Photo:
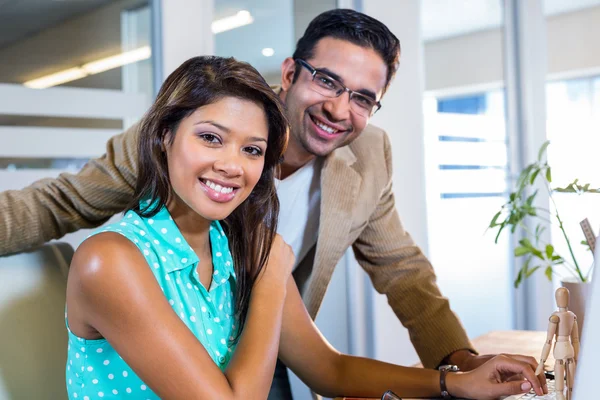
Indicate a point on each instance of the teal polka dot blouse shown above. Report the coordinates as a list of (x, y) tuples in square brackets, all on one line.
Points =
[(95, 370)]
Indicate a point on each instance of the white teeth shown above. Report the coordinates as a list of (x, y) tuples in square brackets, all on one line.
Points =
[(218, 188), (326, 128)]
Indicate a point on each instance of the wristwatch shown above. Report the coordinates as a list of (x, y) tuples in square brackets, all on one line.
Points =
[(444, 369)]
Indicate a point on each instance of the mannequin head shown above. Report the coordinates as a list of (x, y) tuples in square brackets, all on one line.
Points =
[(562, 297)]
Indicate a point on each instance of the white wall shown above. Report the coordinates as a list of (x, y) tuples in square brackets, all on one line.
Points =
[(572, 41), (477, 58), (186, 31), (402, 117), (305, 11), (467, 60)]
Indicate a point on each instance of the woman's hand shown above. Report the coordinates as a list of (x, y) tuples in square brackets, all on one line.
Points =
[(279, 267), (489, 381)]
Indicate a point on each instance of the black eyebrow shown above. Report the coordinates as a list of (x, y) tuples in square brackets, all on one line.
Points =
[(213, 123), (331, 74), (227, 130), (257, 139), (366, 92)]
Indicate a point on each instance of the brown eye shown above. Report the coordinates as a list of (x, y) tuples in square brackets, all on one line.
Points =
[(210, 138), (254, 151)]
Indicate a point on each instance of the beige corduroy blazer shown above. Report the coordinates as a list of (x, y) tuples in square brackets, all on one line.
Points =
[(357, 210)]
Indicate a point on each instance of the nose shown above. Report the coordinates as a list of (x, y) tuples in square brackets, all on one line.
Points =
[(338, 108), (229, 164)]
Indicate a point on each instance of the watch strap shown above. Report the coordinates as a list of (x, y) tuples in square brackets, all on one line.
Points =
[(443, 388)]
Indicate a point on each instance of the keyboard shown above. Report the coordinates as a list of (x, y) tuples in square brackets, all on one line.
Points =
[(532, 396)]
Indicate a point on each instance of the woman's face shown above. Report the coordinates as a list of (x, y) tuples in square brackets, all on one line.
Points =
[(217, 156)]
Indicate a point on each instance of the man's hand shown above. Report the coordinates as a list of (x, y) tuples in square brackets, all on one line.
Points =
[(467, 361)]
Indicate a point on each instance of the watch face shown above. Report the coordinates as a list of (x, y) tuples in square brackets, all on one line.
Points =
[(449, 367)]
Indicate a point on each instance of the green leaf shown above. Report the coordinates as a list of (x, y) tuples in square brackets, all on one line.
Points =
[(566, 189), (493, 223), (543, 150), (518, 279), (539, 230), (502, 225), (533, 176), (531, 271), (526, 243), (585, 243), (549, 251), (521, 251), (530, 199), (548, 174), (548, 273), (524, 176), (538, 254), (575, 187)]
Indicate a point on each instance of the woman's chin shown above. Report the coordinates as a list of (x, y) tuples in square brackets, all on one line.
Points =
[(215, 212)]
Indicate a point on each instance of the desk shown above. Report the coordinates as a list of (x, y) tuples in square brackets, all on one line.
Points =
[(528, 343)]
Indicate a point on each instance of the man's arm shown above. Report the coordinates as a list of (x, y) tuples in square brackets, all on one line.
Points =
[(50, 208), (398, 269)]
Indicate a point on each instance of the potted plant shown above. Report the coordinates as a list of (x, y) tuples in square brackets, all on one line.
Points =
[(521, 216)]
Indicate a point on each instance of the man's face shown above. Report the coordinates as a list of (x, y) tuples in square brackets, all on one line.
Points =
[(321, 124)]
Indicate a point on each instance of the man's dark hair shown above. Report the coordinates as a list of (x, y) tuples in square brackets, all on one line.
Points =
[(355, 27)]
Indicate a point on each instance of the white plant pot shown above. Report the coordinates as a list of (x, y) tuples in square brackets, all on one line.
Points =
[(578, 294)]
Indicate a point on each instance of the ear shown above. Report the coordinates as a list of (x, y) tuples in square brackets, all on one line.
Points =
[(167, 139), (288, 68)]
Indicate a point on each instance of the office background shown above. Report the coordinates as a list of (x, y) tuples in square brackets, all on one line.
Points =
[(482, 84)]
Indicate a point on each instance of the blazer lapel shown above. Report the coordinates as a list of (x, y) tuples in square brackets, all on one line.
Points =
[(339, 189)]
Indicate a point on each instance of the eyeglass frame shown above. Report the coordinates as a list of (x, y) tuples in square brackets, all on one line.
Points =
[(313, 71)]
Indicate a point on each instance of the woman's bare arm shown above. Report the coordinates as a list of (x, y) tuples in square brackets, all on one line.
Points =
[(306, 352), (111, 290)]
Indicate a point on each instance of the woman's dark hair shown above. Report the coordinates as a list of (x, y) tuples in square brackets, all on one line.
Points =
[(355, 27), (251, 227)]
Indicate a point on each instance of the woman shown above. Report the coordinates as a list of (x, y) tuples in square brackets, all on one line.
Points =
[(189, 295)]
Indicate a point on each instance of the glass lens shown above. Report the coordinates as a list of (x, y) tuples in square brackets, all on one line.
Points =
[(362, 102), (327, 85)]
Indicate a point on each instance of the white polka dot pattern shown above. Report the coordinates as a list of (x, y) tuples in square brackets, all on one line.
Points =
[(101, 372)]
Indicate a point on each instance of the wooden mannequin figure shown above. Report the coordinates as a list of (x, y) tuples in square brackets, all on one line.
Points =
[(563, 324)]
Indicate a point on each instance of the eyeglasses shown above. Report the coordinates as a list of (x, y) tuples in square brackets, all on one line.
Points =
[(331, 87)]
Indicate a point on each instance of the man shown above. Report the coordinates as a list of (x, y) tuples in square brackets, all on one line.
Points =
[(335, 187)]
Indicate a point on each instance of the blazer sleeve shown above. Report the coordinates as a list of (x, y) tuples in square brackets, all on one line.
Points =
[(50, 208), (399, 269)]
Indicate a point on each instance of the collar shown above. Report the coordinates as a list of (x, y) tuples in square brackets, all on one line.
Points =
[(164, 229)]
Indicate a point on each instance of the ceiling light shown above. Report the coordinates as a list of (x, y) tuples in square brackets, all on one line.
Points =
[(268, 52), (235, 21), (58, 78), (95, 67), (91, 68)]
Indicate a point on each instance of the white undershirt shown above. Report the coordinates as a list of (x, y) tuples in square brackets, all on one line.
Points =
[(300, 203)]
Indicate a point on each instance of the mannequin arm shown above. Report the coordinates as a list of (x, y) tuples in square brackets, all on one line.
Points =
[(575, 338), (548, 345)]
